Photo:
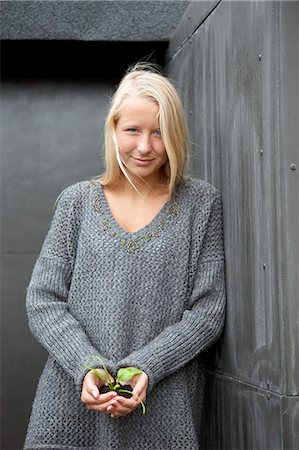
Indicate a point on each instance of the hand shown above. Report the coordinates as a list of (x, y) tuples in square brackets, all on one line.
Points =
[(121, 406), (91, 395)]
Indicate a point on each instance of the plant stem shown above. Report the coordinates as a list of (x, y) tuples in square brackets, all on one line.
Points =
[(130, 392)]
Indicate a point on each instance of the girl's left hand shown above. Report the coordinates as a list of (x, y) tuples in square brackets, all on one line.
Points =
[(121, 406)]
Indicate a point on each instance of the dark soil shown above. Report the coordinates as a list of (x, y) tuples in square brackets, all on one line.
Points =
[(104, 389)]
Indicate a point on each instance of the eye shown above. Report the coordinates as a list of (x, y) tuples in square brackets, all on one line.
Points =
[(157, 132), (132, 130)]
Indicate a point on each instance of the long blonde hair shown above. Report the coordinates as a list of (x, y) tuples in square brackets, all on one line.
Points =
[(145, 80)]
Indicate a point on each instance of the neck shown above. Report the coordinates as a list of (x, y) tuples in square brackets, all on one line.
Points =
[(147, 188)]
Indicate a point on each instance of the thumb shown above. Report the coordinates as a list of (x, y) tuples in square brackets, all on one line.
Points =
[(95, 392), (141, 384), (91, 386)]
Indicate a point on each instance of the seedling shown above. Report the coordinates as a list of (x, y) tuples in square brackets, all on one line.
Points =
[(123, 374)]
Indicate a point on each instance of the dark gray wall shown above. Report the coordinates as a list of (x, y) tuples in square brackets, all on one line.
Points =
[(60, 61), (112, 20), (52, 132), (237, 66), (51, 137)]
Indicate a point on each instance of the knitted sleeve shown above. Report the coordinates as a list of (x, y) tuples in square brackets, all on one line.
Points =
[(202, 323), (47, 293)]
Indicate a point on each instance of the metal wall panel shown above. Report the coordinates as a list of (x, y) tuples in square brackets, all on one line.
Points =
[(238, 74), (246, 417)]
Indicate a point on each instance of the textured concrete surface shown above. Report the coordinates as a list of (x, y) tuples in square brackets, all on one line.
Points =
[(114, 20)]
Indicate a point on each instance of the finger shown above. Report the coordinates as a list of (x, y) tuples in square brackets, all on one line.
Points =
[(102, 398), (122, 406), (118, 413), (90, 384), (116, 409), (100, 407), (119, 406), (140, 385), (105, 398), (139, 395)]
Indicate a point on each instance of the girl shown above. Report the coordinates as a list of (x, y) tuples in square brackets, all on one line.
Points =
[(132, 271)]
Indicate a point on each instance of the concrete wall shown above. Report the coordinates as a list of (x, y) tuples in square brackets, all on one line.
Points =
[(100, 20), (237, 67)]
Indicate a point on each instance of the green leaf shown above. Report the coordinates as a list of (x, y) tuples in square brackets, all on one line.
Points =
[(104, 366), (101, 377), (107, 379), (127, 373)]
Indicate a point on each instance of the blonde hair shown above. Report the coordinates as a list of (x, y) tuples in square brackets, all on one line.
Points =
[(146, 80)]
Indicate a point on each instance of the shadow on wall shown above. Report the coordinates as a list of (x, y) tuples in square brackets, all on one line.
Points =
[(75, 59)]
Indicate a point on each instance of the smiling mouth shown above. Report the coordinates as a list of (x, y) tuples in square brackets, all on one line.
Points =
[(137, 159)]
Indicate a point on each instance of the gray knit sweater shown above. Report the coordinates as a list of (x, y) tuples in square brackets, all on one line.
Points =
[(154, 299)]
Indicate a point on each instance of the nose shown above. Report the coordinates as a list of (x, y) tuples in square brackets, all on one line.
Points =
[(144, 144)]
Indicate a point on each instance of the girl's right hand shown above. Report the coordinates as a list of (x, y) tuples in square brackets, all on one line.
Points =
[(91, 396)]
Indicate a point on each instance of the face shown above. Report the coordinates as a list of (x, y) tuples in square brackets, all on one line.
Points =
[(139, 139)]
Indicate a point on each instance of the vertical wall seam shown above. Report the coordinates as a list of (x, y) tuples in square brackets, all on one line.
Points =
[(194, 31)]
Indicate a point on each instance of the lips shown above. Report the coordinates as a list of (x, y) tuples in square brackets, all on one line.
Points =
[(142, 162), (138, 159)]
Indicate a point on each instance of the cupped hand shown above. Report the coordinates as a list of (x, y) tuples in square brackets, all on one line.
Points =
[(121, 406), (91, 396)]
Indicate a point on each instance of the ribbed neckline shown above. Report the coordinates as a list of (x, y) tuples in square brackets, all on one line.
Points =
[(121, 231)]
